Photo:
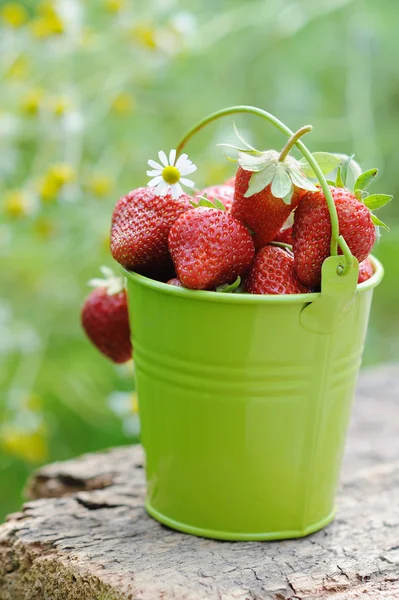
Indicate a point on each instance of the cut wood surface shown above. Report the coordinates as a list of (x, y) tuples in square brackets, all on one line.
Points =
[(86, 536)]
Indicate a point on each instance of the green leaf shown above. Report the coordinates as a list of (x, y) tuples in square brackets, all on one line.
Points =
[(228, 288), (219, 204), (287, 199), (234, 147), (300, 181), (204, 201), (260, 180), (376, 201), (339, 182), (354, 170), (281, 183), (378, 222), (364, 180), (344, 169), (249, 162), (326, 161), (244, 141)]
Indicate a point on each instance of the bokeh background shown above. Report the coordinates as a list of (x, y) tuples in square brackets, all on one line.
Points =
[(89, 91)]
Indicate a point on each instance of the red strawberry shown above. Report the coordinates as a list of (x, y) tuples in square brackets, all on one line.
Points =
[(284, 236), (105, 318), (224, 193), (140, 226), (209, 247), (273, 272), (262, 212), (175, 281), (366, 270), (312, 231)]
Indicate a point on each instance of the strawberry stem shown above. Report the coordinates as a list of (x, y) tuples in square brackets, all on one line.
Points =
[(281, 245), (292, 141), (335, 237)]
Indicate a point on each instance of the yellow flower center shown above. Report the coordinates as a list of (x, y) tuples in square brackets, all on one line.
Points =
[(171, 175)]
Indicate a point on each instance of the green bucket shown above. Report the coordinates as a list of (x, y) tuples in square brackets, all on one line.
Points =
[(245, 401)]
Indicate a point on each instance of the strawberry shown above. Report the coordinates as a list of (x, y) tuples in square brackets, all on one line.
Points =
[(209, 247), (366, 270), (224, 193), (175, 281), (272, 272), (105, 317), (284, 236), (262, 212), (140, 226), (312, 231)]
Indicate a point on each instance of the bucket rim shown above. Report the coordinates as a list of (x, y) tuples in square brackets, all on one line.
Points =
[(250, 298)]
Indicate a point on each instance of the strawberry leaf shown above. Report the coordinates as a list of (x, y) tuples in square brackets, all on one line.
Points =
[(300, 181), (246, 144), (260, 180), (249, 162), (376, 201), (287, 199), (354, 170), (218, 204), (344, 169), (281, 184), (326, 161), (378, 222), (227, 288), (364, 180), (339, 182)]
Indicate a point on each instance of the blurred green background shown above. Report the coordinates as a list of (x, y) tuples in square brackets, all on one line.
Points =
[(89, 91)]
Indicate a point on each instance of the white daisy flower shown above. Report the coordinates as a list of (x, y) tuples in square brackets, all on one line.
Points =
[(167, 176)]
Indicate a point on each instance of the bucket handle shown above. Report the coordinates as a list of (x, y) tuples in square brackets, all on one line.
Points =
[(343, 268)]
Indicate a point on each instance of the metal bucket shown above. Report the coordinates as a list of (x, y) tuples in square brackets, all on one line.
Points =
[(245, 401)]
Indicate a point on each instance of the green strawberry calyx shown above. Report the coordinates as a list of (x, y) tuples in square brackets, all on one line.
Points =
[(204, 201), (278, 169), (230, 288), (111, 282), (351, 177)]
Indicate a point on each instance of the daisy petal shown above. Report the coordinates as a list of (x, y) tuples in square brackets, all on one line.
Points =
[(162, 188), (163, 158), (181, 160), (155, 165), (177, 191), (155, 181), (187, 182), (172, 157), (187, 169), (154, 173)]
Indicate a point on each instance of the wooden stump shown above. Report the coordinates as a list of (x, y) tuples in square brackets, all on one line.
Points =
[(86, 535)]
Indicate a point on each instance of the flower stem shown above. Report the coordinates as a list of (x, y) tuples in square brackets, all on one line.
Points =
[(298, 143), (291, 142)]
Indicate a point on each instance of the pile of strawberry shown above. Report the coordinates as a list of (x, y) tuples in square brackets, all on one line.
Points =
[(266, 231)]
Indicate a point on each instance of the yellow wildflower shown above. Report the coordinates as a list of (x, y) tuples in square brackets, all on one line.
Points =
[(123, 103), (114, 6), (44, 228), (145, 36), (13, 14), (60, 105), (63, 173), (31, 102), (99, 184), (18, 68), (48, 22), (16, 204), (30, 446), (56, 177)]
